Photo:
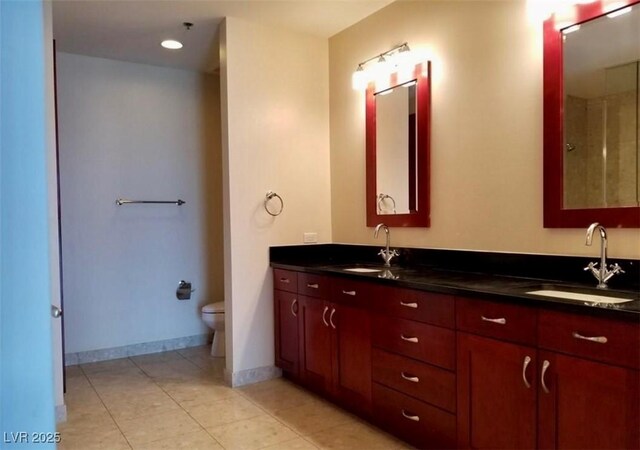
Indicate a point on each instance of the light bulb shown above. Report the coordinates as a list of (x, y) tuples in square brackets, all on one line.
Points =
[(619, 12), (359, 78)]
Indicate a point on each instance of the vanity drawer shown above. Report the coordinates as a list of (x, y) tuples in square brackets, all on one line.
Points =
[(499, 320), (285, 280), (427, 343), (597, 338), (423, 381), (418, 423), (436, 309), (313, 285), (351, 292)]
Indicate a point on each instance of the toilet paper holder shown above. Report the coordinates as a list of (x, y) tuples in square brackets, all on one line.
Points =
[(184, 290)]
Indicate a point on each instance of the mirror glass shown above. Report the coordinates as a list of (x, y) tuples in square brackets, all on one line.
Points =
[(398, 122), (601, 159), (396, 150)]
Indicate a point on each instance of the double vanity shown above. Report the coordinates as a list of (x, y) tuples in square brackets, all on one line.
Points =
[(465, 352)]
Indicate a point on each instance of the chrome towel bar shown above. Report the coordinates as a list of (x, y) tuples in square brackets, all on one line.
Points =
[(122, 201)]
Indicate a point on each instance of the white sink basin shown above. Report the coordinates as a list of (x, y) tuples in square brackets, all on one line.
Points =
[(362, 270), (592, 298)]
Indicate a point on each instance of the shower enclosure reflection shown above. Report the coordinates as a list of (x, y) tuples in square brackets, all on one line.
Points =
[(601, 73)]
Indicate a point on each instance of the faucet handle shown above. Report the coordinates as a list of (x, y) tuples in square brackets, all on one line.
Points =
[(395, 253), (591, 266), (615, 268)]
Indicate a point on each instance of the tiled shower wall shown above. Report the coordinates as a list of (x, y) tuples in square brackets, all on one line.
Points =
[(586, 186)]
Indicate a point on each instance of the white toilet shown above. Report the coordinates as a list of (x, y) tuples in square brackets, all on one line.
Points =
[(213, 316)]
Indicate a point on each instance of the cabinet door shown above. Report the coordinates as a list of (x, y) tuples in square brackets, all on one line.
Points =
[(584, 404), (496, 394), (286, 326), (352, 356), (315, 343)]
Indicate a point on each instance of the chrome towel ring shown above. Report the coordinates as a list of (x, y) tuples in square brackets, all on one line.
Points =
[(270, 196), (381, 198)]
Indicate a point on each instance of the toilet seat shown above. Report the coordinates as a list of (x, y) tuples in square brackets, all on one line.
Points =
[(213, 308)]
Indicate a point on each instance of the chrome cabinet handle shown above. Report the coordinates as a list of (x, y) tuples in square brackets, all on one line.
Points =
[(545, 366), (324, 316), (409, 339), (410, 416), (527, 361), (313, 286), (294, 303), (349, 292), (333, 325), (409, 377), (598, 339), (285, 280), (501, 320), (409, 305)]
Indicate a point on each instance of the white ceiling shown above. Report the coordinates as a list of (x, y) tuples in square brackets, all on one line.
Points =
[(131, 30)]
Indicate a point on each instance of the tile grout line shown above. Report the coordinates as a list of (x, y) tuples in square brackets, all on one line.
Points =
[(178, 403), (105, 407)]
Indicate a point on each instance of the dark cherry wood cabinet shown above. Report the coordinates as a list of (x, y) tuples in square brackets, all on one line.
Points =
[(324, 344), (315, 344), (351, 347), (496, 394), (286, 321), (576, 386), (585, 404), (287, 308), (443, 372)]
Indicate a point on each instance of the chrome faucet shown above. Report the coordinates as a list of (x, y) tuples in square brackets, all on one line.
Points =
[(387, 254), (603, 274)]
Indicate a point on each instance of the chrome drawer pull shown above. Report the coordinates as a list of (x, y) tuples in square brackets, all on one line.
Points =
[(409, 377), (545, 366), (285, 280), (349, 292), (333, 325), (527, 361), (324, 316), (409, 305), (409, 339), (294, 303), (598, 339), (313, 286), (410, 416), (501, 320)]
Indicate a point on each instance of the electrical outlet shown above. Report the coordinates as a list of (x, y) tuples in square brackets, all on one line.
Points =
[(310, 238)]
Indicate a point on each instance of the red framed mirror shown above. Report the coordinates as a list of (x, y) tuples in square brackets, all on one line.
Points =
[(565, 201), (397, 150)]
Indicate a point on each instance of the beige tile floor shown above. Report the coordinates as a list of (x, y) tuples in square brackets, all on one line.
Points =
[(178, 400)]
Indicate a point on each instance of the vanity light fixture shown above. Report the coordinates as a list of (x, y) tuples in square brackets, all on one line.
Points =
[(619, 12), (385, 92), (379, 68), (571, 29), (565, 16), (173, 44)]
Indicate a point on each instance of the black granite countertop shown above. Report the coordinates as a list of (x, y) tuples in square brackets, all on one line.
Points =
[(505, 285)]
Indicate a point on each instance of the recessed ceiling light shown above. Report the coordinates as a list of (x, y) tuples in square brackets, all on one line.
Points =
[(171, 44)]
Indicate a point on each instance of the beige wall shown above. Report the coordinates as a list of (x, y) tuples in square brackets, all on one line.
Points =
[(275, 129), (486, 163)]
